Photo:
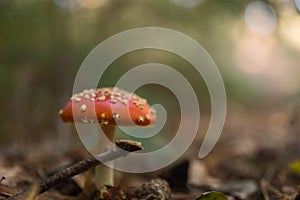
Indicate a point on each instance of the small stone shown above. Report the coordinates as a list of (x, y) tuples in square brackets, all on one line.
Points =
[(156, 189)]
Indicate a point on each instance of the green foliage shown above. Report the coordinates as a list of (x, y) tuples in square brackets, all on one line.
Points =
[(212, 196), (294, 167)]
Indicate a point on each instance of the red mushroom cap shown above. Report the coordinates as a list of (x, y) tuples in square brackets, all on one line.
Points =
[(111, 107)]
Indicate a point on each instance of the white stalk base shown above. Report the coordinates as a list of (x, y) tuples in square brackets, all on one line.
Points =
[(104, 175)]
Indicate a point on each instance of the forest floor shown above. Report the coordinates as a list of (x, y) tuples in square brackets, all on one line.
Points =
[(257, 157)]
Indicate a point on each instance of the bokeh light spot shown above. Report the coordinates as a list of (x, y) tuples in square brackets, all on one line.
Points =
[(260, 17), (297, 4), (290, 31)]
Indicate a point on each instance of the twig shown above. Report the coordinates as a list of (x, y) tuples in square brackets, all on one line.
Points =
[(263, 186), (2, 179), (4, 194), (84, 165), (267, 186)]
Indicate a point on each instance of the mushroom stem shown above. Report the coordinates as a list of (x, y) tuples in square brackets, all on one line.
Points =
[(103, 174)]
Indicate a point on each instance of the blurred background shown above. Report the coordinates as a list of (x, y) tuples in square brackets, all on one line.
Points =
[(255, 44)]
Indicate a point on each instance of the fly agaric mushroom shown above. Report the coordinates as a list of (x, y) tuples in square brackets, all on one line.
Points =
[(112, 107)]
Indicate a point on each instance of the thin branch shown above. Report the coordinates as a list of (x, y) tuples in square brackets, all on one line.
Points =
[(263, 186), (123, 147)]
